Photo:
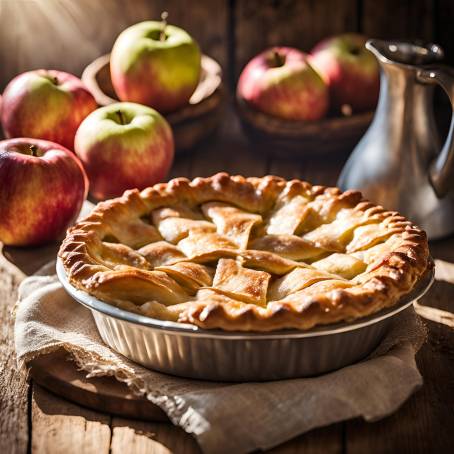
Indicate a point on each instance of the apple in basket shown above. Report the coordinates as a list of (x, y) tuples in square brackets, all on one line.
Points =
[(42, 188), (155, 64), (46, 104), (124, 146), (350, 71), (281, 82)]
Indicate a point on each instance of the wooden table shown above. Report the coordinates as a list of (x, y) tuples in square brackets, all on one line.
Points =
[(32, 419)]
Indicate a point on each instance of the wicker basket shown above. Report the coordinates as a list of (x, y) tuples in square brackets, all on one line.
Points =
[(283, 138)]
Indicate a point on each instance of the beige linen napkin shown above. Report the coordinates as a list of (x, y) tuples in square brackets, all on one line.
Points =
[(225, 418)]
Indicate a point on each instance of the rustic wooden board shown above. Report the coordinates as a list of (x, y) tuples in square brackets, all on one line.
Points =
[(57, 373)]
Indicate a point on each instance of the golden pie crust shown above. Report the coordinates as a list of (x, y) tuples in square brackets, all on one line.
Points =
[(248, 254)]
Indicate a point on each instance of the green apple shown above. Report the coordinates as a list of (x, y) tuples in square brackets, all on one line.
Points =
[(124, 146), (155, 64)]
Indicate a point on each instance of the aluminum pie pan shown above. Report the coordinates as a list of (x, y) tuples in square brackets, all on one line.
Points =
[(189, 351)]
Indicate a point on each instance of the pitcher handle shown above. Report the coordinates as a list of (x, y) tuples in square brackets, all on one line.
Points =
[(441, 171)]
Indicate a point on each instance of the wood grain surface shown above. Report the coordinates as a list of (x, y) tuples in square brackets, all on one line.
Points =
[(145, 437), (406, 19), (62, 427), (13, 386)]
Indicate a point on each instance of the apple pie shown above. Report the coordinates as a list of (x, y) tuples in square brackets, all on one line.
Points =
[(248, 254)]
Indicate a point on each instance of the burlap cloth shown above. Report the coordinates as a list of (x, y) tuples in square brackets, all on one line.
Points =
[(225, 418)]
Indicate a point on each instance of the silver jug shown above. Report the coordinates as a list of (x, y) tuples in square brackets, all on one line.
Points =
[(399, 162)]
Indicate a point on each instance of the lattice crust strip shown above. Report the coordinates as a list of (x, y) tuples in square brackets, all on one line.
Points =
[(245, 253)]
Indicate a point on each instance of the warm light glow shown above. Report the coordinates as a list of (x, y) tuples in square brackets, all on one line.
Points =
[(61, 34)]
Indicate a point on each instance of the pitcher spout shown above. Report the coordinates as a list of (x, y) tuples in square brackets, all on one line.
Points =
[(405, 54), (377, 46)]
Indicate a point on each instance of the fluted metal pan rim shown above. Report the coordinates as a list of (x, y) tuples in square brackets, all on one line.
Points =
[(186, 329)]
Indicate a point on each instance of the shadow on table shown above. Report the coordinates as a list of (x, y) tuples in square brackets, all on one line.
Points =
[(443, 249), (440, 295), (30, 259), (438, 305)]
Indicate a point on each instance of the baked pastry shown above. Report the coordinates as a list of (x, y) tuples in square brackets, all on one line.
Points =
[(249, 254)]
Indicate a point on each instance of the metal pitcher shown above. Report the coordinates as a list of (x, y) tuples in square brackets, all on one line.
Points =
[(399, 162)]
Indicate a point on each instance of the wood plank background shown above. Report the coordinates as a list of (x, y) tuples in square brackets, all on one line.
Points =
[(69, 34)]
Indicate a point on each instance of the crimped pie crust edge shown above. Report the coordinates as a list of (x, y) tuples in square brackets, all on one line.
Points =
[(392, 276)]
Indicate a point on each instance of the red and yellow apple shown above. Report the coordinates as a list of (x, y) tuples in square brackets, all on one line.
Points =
[(155, 64), (42, 188), (350, 71), (46, 104), (124, 146), (281, 82)]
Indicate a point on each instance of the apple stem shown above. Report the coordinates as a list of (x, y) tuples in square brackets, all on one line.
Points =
[(121, 117), (164, 16), (34, 150), (278, 58), (55, 78)]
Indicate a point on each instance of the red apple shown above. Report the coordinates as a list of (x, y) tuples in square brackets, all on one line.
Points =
[(155, 64), (350, 71), (46, 104), (124, 146), (42, 188), (281, 82)]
